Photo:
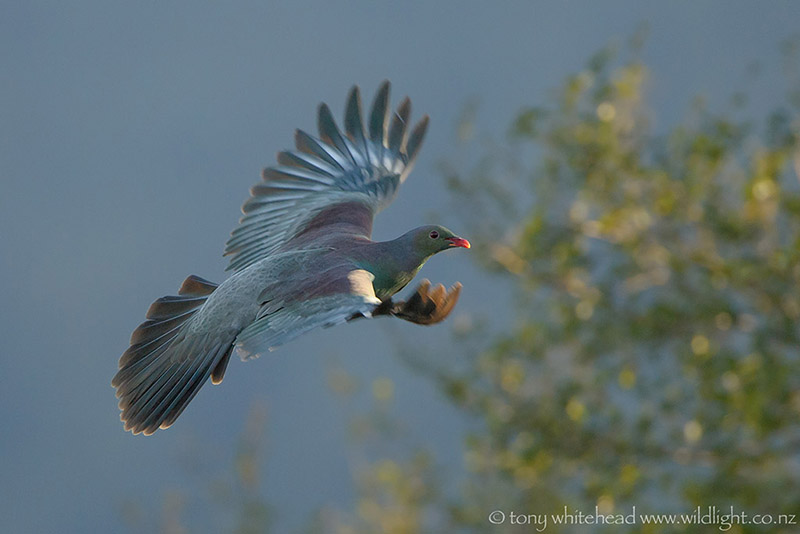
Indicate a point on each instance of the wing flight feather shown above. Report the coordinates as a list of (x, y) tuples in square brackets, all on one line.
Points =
[(360, 169)]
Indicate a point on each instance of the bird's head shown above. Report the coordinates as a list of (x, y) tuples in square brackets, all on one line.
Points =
[(431, 239)]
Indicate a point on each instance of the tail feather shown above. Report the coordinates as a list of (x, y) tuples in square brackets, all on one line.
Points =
[(190, 389), (142, 349), (194, 285), (169, 393), (167, 386), (134, 379), (143, 404), (219, 371), (167, 307), (155, 328), (166, 364), (149, 382)]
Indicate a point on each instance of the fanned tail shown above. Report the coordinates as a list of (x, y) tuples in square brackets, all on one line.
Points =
[(166, 365)]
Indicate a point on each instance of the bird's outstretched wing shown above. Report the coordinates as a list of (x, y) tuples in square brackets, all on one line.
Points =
[(334, 184)]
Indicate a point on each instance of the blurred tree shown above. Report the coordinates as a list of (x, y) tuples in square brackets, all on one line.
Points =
[(396, 482), (654, 354), (654, 359)]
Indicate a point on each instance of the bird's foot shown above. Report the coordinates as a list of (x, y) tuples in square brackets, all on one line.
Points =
[(425, 306)]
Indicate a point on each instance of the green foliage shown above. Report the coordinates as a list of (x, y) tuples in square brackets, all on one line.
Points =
[(394, 498), (654, 360), (395, 481)]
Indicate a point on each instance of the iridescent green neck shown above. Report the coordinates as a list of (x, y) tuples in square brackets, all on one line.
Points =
[(393, 263)]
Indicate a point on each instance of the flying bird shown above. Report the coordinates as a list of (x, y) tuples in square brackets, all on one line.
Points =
[(301, 258)]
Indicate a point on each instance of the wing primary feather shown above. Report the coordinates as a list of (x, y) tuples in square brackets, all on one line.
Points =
[(275, 197), (306, 143), (280, 190), (283, 173), (250, 234), (397, 131), (354, 123), (361, 158), (305, 161), (261, 208), (414, 143), (379, 115), (329, 133), (365, 161)]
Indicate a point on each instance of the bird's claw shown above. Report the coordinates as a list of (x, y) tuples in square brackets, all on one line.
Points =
[(425, 306)]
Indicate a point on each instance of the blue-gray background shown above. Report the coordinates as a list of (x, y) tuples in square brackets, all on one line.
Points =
[(129, 134)]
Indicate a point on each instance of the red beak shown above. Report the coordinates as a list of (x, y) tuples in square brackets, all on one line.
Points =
[(458, 242)]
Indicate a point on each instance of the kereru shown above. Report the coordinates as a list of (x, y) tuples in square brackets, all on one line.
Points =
[(301, 258)]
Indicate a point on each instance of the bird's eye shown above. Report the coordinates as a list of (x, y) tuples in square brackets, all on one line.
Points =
[(434, 234)]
